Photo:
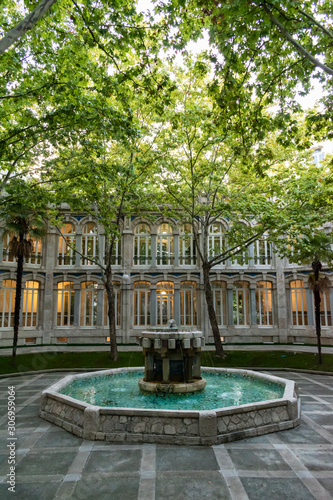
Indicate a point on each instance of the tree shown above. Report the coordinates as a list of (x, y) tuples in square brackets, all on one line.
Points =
[(24, 218), (111, 183), (314, 248), (219, 167), (47, 101)]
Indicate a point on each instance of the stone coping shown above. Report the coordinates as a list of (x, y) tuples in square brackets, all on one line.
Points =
[(173, 334), (171, 426)]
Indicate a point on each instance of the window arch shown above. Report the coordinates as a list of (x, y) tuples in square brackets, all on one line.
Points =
[(188, 303), (165, 302), (89, 243), (219, 289), (264, 305), (36, 251), (187, 251), (7, 303), (142, 245), (241, 307), (30, 304), (142, 303), (262, 252), (66, 254), (88, 303), (165, 252), (65, 309), (216, 239), (299, 308)]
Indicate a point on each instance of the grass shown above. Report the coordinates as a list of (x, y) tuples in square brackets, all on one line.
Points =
[(97, 360)]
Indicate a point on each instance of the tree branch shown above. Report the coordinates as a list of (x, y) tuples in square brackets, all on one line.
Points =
[(298, 47), (25, 25)]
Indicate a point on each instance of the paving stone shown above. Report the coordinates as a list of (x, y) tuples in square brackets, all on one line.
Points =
[(316, 460), (276, 489), (114, 461), (191, 486), (247, 459), (30, 491), (178, 458), (45, 462), (58, 439), (115, 488)]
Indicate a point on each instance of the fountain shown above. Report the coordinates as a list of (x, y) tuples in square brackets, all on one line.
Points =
[(172, 360), (172, 404)]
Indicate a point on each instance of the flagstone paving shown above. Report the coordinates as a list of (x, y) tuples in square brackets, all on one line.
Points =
[(52, 464)]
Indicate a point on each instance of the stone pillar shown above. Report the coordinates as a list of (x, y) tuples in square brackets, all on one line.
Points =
[(78, 237), (153, 306), (153, 249), (77, 291), (126, 309), (176, 305), (196, 366), (230, 312), (310, 306), (100, 305), (48, 304), (253, 312), (149, 368), (166, 370), (176, 250), (281, 309)]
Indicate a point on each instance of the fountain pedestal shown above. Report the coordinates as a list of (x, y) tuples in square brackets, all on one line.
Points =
[(172, 361)]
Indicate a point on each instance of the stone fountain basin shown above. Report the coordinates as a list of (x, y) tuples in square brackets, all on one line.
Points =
[(207, 427)]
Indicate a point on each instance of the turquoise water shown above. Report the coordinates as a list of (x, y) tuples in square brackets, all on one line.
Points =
[(222, 390)]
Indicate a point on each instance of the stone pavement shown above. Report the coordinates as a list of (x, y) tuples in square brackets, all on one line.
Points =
[(52, 464)]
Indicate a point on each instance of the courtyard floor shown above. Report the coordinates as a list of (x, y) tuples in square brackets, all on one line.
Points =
[(52, 464)]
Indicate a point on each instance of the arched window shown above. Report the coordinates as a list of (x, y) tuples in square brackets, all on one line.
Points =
[(165, 296), (65, 310), (88, 303), (216, 240), (165, 253), (142, 303), (36, 251), (89, 243), (116, 252), (262, 252), (188, 303), (7, 303), (325, 309), (6, 257), (117, 304), (219, 289), (241, 309), (142, 245), (66, 254), (30, 304), (187, 254), (299, 307), (264, 307)]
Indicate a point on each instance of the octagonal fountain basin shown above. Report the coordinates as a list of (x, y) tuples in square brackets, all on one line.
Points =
[(108, 405)]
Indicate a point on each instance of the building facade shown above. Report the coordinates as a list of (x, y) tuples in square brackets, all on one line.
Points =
[(157, 276)]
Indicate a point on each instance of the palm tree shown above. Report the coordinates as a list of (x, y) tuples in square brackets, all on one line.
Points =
[(315, 249), (24, 211), (20, 247)]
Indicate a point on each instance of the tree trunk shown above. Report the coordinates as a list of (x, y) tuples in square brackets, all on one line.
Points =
[(112, 317), (211, 313), (17, 310), (316, 266)]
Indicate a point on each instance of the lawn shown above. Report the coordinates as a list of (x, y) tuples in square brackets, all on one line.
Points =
[(98, 360)]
